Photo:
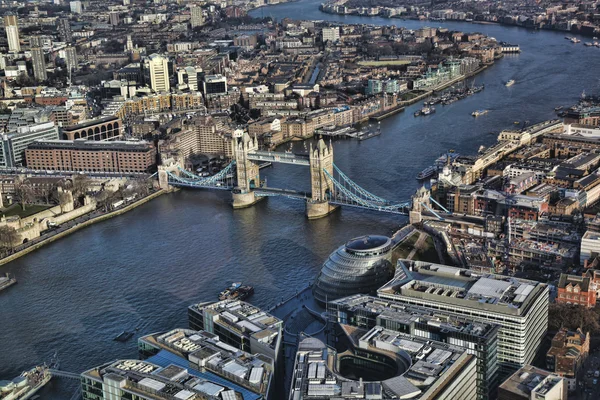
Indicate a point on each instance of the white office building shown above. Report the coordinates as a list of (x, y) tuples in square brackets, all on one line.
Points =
[(519, 306), (14, 143), (590, 246), (331, 34), (12, 33), (159, 73)]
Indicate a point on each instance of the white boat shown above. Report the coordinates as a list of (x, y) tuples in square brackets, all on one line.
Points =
[(477, 113), (510, 83)]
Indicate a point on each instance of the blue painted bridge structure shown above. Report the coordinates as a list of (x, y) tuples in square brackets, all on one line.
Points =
[(330, 187)]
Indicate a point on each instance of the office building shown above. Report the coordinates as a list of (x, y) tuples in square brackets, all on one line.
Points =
[(479, 338), (76, 7), (188, 77), (240, 325), (71, 58), (39, 64), (205, 352), (113, 18), (374, 86), (64, 30), (197, 19), (159, 73), (590, 246), (531, 383), (11, 25), (519, 306), (361, 265), (392, 364), (16, 141), (170, 377), (90, 155), (214, 84), (567, 355), (331, 34)]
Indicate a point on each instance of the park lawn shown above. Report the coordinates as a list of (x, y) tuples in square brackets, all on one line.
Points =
[(404, 249), (383, 63), (16, 209), (429, 254)]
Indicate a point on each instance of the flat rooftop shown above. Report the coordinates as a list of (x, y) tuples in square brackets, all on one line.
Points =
[(529, 379), (154, 381), (408, 314), (91, 145), (461, 287), (245, 318), (206, 351), (426, 364)]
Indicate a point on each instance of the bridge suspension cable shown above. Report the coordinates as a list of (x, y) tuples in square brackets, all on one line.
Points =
[(347, 192), (222, 180)]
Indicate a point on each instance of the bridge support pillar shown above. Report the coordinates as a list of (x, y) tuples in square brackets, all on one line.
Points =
[(415, 217), (243, 200), (163, 179), (319, 209)]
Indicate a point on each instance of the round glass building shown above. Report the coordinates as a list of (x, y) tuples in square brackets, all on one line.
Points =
[(362, 265)]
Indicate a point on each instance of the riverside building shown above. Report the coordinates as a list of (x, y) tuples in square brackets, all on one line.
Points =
[(361, 265), (146, 380), (93, 156), (479, 338), (240, 325), (519, 306), (217, 360), (395, 366)]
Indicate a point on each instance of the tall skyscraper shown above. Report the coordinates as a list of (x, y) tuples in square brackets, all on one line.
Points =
[(159, 73), (71, 58), (197, 17), (39, 64), (12, 33), (64, 30)]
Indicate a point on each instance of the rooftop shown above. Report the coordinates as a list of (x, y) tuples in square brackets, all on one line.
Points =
[(530, 379), (407, 314), (205, 351), (461, 287), (244, 318), (91, 145), (424, 366), (158, 381)]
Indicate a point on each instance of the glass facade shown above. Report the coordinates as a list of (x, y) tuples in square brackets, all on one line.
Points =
[(360, 266)]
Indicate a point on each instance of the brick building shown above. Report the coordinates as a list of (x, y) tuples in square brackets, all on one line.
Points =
[(95, 129), (567, 354), (91, 156), (573, 289)]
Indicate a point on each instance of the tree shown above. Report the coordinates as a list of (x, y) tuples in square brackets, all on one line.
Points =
[(9, 237), (24, 192)]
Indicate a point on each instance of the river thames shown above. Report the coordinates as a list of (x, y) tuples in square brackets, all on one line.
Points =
[(142, 269)]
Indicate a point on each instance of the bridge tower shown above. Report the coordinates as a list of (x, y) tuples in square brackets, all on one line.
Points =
[(247, 171), (420, 198), (168, 165), (321, 160)]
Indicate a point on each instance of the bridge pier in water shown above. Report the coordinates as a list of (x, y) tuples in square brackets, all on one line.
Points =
[(247, 171), (320, 160)]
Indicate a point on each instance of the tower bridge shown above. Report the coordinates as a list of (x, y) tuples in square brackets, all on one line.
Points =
[(330, 187)]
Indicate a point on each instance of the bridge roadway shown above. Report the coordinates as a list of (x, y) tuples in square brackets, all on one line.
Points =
[(278, 157), (283, 192)]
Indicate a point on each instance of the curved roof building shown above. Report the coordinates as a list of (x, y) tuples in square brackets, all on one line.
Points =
[(361, 265)]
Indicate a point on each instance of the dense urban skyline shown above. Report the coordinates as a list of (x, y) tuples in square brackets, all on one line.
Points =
[(404, 195)]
